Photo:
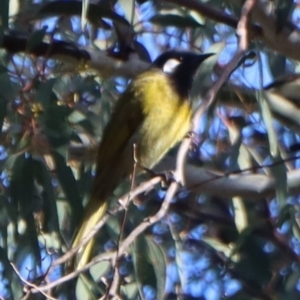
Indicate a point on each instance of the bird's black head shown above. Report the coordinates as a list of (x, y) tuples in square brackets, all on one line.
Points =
[(181, 67)]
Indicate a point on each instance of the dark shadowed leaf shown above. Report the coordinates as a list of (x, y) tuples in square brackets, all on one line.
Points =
[(8, 90), (4, 9), (277, 63), (158, 260), (203, 78), (174, 21), (56, 125), (44, 93), (150, 265), (35, 39), (3, 111), (69, 186), (283, 9), (280, 175), (22, 193), (144, 271), (141, 51), (43, 178), (268, 120), (254, 264), (15, 286)]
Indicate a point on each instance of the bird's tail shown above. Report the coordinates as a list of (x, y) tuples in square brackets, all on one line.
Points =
[(93, 215)]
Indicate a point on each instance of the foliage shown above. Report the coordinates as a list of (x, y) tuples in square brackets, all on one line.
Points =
[(230, 234)]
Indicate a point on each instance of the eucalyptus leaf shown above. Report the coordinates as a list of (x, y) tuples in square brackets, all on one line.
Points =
[(43, 177), (35, 39), (44, 93), (283, 9), (22, 193), (4, 10), (174, 21), (277, 63), (144, 270), (69, 186)]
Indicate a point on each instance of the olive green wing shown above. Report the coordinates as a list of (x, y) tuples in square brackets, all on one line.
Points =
[(124, 123)]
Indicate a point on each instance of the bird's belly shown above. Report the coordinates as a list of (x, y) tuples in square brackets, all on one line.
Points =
[(162, 129)]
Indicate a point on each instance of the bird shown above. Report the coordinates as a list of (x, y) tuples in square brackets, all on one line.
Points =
[(150, 117)]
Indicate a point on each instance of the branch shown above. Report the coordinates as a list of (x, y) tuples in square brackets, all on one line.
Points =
[(98, 60), (220, 184), (16, 44)]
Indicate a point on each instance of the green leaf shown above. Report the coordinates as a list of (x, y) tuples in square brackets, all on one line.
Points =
[(8, 91), (279, 173), (219, 246), (150, 265), (268, 120), (285, 214), (87, 125), (128, 7), (1, 34), (87, 288), (100, 269), (141, 51), (44, 92), (22, 184), (4, 18), (43, 177), (254, 263), (174, 21), (36, 38), (283, 9), (76, 116), (56, 125), (130, 291), (158, 260), (277, 63), (22, 193), (293, 295), (15, 285), (3, 112), (292, 281), (69, 186), (5, 218), (144, 272), (203, 79)]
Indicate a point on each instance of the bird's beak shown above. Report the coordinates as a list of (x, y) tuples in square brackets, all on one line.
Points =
[(195, 61), (201, 57)]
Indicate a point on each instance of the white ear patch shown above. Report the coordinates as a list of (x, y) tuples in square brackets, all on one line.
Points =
[(170, 65)]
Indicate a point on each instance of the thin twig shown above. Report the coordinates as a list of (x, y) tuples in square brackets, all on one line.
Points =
[(151, 220), (30, 284), (146, 186), (74, 274), (125, 244), (243, 25), (142, 188), (114, 283)]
